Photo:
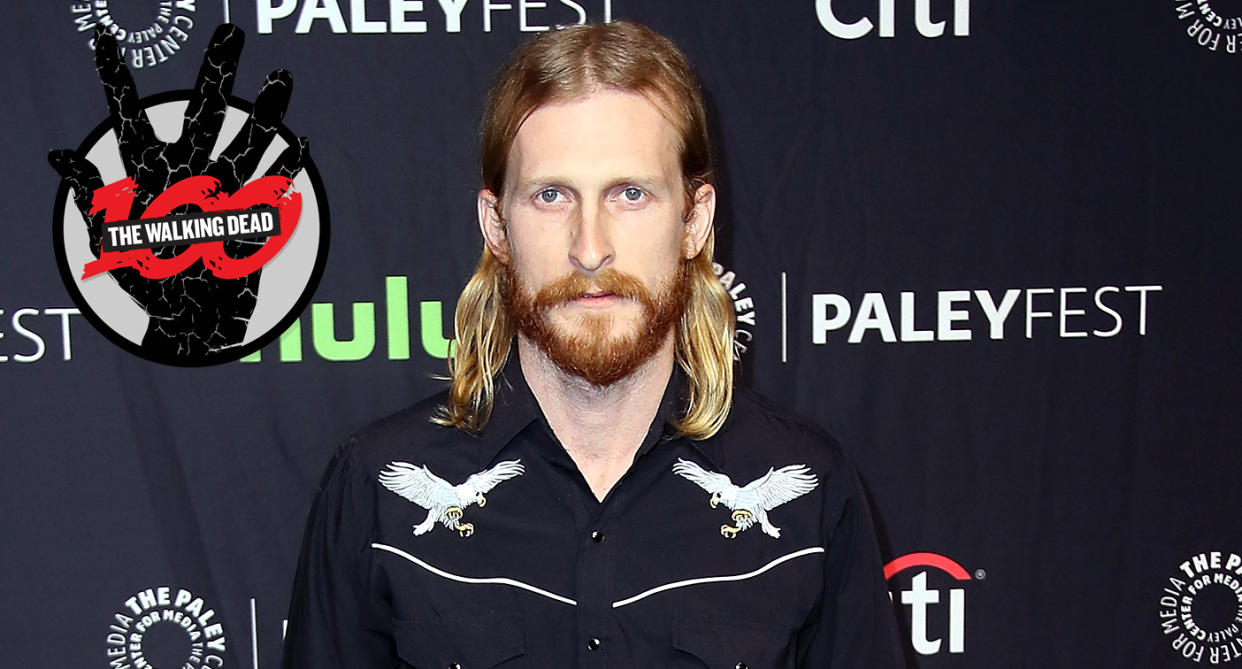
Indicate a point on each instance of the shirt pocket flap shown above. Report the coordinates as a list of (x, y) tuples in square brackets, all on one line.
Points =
[(735, 645), (471, 643)]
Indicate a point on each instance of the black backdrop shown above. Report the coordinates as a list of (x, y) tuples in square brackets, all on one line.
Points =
[(881, 196)]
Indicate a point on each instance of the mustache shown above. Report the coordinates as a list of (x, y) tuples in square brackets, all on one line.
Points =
[(574, 286)]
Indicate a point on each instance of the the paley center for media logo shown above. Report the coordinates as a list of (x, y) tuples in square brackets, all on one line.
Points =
[(1201, 608), (148, 33), (166, 627), (1215, 25)]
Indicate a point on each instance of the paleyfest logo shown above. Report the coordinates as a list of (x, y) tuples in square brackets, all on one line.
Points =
[(191, 227)]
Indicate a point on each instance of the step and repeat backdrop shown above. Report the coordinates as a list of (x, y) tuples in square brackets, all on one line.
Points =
[(991, 246)]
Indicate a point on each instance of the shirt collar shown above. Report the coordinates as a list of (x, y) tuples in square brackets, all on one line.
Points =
[(672, 405), (515, 407)]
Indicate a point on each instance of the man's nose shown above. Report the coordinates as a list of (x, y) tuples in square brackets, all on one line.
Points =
[(591, 249)]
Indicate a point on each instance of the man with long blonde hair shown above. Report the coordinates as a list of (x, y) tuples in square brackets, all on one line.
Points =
[(639, 513)]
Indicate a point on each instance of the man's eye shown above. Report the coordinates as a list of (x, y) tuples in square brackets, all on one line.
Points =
[(632, 194), (548, 195)]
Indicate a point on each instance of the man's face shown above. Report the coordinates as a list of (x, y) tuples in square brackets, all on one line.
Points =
[(593, 236)]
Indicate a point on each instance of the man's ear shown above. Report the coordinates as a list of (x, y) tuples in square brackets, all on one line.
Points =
[(492, 225), (698, 226)]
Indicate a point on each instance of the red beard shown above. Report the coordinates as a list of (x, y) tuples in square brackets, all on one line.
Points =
[(594, 353)]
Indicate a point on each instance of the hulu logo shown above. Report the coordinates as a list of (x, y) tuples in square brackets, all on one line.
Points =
[(362, 342)]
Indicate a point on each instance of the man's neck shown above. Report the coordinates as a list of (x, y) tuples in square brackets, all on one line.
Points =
[(600, 427)]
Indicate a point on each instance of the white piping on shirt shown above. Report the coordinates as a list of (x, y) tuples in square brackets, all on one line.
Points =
[(718, 579), (468, 579)]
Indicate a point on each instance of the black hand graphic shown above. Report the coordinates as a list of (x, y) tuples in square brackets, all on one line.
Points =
[(193, 313)]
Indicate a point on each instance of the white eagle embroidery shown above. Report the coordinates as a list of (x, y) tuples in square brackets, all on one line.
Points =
[(752, 502), (445, 502)]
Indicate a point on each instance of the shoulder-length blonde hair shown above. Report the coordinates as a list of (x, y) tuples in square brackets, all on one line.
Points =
[(564, 65)]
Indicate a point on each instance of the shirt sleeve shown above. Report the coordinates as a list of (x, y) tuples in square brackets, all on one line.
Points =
[(857, 628), (337, 619)]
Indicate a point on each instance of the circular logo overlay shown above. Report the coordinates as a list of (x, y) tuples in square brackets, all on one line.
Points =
[(201, 276), (1201, 608), (165, 627)]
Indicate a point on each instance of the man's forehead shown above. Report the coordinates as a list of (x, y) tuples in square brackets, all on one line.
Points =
[(604, 132)]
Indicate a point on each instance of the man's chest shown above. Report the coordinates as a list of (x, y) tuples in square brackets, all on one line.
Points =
[(541, 574)]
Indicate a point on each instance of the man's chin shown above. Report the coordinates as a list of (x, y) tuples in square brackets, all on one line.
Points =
[(607, 310), (600, 360), (571, 324)]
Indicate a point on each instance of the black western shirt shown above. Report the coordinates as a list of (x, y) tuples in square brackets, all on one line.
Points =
[(430, 547)]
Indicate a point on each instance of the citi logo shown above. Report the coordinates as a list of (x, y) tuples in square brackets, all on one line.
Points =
[(928, 605), (885, 14)]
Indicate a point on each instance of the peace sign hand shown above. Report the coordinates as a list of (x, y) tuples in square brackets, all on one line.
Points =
[(194, 312)]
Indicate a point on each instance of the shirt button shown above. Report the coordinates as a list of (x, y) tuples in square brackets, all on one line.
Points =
[(454, 665), (593, 643), (740, 665), (597, 536)]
